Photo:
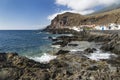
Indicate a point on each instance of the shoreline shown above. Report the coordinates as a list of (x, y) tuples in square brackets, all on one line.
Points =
[(67, 66)]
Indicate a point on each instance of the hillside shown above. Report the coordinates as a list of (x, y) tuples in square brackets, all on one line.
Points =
[(73, 19), (66, 19)]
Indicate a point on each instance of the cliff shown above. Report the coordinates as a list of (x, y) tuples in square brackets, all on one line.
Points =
[(66, 19), (73, 19)]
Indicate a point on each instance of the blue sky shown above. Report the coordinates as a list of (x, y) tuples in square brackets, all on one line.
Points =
[(25, 14), (34, 14)]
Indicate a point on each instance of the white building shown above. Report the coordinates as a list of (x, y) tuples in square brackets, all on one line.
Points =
[(76, 28), (111, 26), (114, 26), (101, 28)]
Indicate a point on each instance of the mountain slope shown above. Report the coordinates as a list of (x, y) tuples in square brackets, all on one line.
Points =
[(73, 19)]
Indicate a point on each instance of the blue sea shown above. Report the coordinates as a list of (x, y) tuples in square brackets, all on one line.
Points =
[(36, 45), (25, 42)]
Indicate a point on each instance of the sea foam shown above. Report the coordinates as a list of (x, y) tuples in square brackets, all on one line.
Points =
[(56, 46), (45, 58), (75, 50), (100, 55)]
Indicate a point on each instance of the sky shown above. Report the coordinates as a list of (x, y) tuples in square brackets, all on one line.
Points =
[(37, 14)]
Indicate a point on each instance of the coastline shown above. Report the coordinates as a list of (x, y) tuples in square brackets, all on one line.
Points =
[(67, 66)]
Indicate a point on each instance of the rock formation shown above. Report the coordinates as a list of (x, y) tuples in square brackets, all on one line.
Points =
[(64, 67)]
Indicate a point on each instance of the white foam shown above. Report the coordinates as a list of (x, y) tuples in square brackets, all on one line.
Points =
[(39, 32), (53, 37), (76, 29), (100, 55), (56, 46), (45, 58), (73, 50), (70, 35)]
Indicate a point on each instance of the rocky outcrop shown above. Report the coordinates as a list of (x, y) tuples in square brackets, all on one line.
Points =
[(78, 67), (59, 30), (113, 45), (15, 67), (72, 19), (110, 39), (90, 50), (64, 67), (64, 40)]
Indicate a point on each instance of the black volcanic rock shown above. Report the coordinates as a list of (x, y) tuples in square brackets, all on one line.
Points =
[(90, 50), (15, 67), (64, 67), (62, 52)]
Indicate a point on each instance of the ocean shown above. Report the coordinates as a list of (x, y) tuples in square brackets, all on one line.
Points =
[(31, 43), (36, 45)]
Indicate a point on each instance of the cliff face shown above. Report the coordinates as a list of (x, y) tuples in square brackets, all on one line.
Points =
[(66, 19), (73, 19)]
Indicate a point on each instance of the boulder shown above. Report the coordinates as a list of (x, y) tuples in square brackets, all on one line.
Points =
[(62, 52), (90, 50), (73, 45)]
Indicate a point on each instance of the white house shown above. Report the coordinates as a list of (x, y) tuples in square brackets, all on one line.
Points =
[(101, 27), (76, 28), (113, 26), (97, 27)]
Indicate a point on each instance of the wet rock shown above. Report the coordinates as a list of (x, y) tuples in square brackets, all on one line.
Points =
[(113, 45), (64, 40), (61, 31), (55, 40), (90, 50), (62, 43), (72, 44), (62, 52), (50, 37), (117, 48)]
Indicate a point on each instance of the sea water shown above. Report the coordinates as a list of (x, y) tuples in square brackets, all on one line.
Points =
[(30, 43), (36, 45)]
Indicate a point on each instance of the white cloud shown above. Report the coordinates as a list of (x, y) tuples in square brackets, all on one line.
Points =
[(83, 6), (51, 17)]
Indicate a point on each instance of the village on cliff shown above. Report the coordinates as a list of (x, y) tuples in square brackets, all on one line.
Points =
[(111, 26)]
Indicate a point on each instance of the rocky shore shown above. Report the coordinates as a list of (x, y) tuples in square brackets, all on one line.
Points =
[(64, 67), (68, 65)]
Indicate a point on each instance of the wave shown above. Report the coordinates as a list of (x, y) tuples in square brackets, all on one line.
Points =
[(75, 50), (100, 55), (56, 46), (39, 33), (45, 58)]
